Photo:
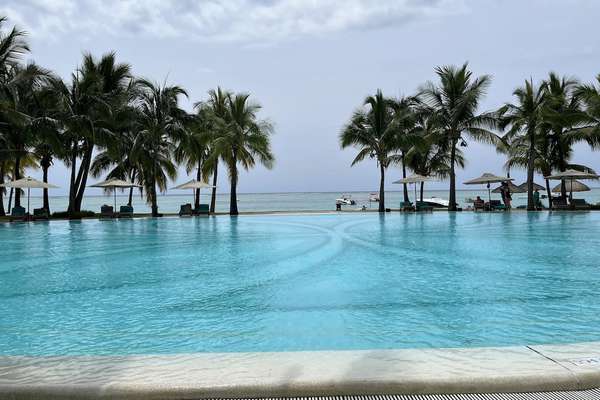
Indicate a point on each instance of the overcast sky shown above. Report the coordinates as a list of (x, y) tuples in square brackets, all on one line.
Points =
[(310, 63)]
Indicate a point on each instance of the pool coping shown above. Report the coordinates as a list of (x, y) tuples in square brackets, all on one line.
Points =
[(304, 373)]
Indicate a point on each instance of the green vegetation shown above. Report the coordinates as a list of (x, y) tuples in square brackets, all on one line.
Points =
[(105, 120), (427, 132)]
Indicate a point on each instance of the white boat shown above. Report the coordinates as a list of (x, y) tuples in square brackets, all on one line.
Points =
[(374, 197), (436, 202), (345, 200)]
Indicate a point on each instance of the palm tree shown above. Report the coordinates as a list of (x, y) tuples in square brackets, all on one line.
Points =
[(403, 123), (215, 113), (88, 104), (456, 101), (524, 120), (193, 148), (426, 156), (373, 132), (244, 141), (161, 126)]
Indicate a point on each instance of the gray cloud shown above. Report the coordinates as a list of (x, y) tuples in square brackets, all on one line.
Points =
[(246, 21)]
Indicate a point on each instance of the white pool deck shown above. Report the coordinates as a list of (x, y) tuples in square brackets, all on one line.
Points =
[(310, 373)]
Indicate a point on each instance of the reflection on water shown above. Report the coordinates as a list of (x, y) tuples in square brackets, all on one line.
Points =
[(299, 282)]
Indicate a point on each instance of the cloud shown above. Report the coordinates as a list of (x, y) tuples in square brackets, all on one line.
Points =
[(246, 21)]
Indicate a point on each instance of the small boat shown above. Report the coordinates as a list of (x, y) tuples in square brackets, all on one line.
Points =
[(345, 200), (374, 197), (436, 202)]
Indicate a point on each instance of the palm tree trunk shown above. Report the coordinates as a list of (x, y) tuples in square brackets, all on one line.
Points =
[(72, 189), (213, 196), (131, 179), (422, 190), (233, 208), (452, 194), (197, 195), (530, 167), (82, 177), (153, 199), (549, 192), (381, 188), (17, 175), (2, 212), (405, 186), (10, 197), (45, 168)]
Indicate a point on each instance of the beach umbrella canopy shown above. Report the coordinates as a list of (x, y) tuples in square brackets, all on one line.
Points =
[(573, 174), (193, 185), (414, 179), (572, 186), (486, 179), (523, 187), (114, 183), (29, 183), (512, 187)]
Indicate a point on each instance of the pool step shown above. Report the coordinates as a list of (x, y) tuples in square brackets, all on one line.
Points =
[(565, 395)]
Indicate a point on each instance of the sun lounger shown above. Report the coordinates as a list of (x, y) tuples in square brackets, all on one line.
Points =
[(18, 214), (203, 209), (559, 203), (186, 210), (406, 206), (40, 213), (107, 212), (496, 205), (422, 206), (478, 205), (580, 204), (125, 212)]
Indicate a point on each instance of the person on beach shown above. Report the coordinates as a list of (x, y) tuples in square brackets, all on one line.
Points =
[(536, 200), (506, 197)]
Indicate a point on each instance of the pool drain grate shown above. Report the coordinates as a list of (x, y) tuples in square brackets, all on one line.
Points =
[(567, 395)]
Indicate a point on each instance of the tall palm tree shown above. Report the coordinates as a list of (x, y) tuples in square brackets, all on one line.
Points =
[(244, 141), (372, 131), (524, 121), (162, 125), (427, 156), (193, 149), (455, 101), (215, 113), (403, 123), (88, 103)]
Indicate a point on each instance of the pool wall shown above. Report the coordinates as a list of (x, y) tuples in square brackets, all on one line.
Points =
[(284, 374)]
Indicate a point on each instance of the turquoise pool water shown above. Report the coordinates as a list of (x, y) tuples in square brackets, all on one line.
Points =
[(299, 282)]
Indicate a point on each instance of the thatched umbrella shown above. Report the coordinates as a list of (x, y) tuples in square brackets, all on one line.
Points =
[(29, 183), (486, 179), (512, 187), (523, 187), (572, 186), (114, 184), (414, 179), (571, 175), (193, 185)]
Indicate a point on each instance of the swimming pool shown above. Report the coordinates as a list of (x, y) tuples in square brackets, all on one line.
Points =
[(299, 282)]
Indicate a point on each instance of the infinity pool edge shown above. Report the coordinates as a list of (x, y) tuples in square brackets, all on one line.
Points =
[(307, 373)]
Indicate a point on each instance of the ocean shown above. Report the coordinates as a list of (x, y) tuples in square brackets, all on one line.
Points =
[(294, 201)]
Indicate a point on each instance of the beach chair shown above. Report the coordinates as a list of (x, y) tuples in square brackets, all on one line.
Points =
[(478, 205), (560, 203), (203, 209), (126, 212), (422, 206), (580, 204), (18, 214), (496, 205), (107, 212), (186, 210), (406, 206), (40, 214)]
